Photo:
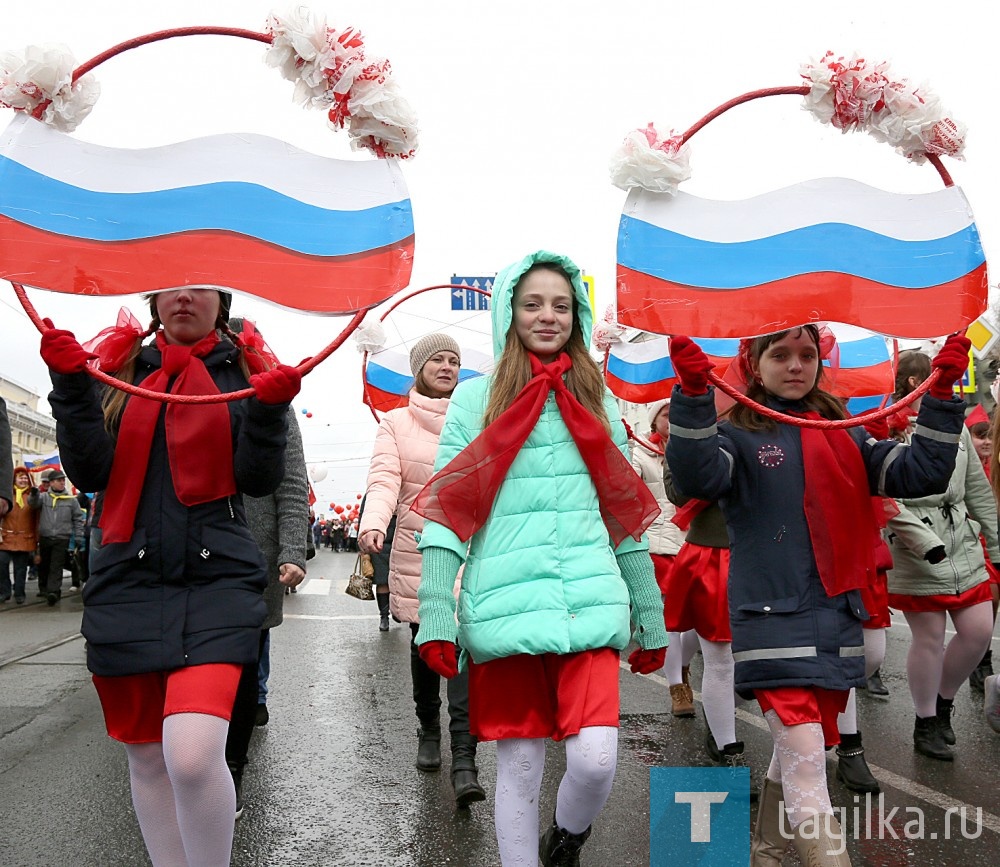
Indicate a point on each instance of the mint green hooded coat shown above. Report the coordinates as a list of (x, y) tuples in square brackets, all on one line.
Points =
[(541, 575)]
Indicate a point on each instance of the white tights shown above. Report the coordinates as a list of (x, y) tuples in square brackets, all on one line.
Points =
[(799, 763), (933, 670), (847, 722), (183, 792), (591, 758), (717, 690), (680, 652)]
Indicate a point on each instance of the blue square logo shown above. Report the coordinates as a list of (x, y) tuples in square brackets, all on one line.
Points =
[(699, 816)]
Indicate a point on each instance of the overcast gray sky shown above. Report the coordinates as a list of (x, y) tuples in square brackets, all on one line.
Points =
[(520, 106)]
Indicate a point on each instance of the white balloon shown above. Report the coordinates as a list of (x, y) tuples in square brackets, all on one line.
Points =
[(317, 472)]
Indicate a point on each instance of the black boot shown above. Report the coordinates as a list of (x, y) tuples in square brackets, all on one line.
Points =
[(383, 610), (852, 769), (945, 708), (927, 739), (731, 756), (464, 773), (559, 848), (429, 747), (875, 685), (981, 672), (237, 773)]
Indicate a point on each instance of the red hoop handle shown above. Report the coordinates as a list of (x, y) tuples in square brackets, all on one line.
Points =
[(365, 397), (825, 423), (303, 367), (799, 90)]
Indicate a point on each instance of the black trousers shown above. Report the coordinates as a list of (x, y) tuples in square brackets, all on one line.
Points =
[(52, 553), (241, 724), (427, 693)]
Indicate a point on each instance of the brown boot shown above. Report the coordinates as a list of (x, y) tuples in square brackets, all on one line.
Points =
[(768, 844), (681, 700), (820, 842)]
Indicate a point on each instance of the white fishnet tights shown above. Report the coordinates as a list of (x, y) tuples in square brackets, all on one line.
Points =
[(183, 793), (799, 764), (591, 759)]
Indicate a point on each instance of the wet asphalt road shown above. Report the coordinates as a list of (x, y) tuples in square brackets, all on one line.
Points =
[(332, 780)]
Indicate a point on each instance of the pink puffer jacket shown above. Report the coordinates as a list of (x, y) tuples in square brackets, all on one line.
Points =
[(402, 463)]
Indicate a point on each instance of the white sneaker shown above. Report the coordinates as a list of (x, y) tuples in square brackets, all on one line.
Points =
[(991, 705)]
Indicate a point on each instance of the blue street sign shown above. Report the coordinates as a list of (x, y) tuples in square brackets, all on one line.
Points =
[(468, 299)]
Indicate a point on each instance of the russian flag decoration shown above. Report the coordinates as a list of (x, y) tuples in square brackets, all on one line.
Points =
[(38, 463), (388, 379), (244, 212), (828, 250)]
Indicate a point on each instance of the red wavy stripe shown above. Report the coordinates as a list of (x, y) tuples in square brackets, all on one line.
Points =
[(672, 308), (633, 393), (320, 284), (383, 401)]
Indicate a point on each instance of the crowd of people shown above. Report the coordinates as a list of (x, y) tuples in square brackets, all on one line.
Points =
[(526, 543)]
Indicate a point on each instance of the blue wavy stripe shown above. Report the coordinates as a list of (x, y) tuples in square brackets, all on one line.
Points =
[(39, 201), (396, 383), (857, 405), (832, 247), (644, 373), (863, 353)]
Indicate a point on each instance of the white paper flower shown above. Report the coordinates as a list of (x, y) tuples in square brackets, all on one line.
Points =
[(369, 336), (44, 74), (648, 161)]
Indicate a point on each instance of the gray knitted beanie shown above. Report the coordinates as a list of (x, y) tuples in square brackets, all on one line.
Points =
[(430, 345)]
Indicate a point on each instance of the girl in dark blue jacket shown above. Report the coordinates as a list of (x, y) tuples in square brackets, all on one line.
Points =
[(797, 502)]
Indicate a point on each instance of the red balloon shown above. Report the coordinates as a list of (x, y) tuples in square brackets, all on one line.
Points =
[(333, 505), (358, 496), (339, 510), (309, 415)]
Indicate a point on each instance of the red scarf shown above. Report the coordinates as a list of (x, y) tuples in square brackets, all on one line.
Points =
[(199, 442), (838, 507), (461, 495)]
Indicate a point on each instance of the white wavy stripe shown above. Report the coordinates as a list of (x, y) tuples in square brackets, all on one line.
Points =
[(905, 217), (399, 362), (641, 352), (343, 185)]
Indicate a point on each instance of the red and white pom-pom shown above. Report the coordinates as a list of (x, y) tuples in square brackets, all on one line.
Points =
[(331, 71), (369, 336), (607, 331), (854, 94), (43, 75), (646, 160)]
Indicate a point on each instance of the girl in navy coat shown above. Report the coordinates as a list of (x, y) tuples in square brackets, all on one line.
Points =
[(174, 604), (797, 501)]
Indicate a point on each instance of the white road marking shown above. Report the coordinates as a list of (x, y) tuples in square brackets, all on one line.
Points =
[(315, 587)]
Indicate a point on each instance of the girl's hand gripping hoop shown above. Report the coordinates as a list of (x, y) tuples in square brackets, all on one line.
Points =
[(690, 364)]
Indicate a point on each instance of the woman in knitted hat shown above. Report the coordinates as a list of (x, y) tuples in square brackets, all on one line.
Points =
[(402, 462), (535, 495), (174, 604)]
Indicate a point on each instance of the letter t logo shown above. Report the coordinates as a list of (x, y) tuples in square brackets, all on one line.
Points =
[(701, 812)]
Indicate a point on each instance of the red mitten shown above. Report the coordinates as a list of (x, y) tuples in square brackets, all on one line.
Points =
[(952, 361), (690, 364), (278, 385), (878, 428), (647, 661), (62, 352), (440, 658)]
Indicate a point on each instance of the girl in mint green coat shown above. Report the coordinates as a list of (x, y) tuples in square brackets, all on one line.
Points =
[(534, 493)]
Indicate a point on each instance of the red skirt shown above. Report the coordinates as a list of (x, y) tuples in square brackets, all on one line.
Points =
[(548, 696), (663, 564), (876, 602), (696, 596), (796, 705), (990, 569), (942, 601)]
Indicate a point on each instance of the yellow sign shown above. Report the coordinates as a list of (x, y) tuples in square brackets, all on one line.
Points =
[(589, 283), (983, 334)]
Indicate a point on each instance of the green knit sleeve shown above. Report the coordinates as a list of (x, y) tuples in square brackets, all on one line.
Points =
[(644, 594), (436, 594)]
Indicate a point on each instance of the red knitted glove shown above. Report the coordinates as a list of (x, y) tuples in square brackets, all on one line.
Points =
[(690, 364), (952, 361), (278, 385), (878, 428), (647, 661), (62, 352), (440, 658)]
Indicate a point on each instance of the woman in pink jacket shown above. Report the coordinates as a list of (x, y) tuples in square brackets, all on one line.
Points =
[(402, 463)]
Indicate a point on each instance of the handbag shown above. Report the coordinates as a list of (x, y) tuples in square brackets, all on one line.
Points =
[(359, 586)]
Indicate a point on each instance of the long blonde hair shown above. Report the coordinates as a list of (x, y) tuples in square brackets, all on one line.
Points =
[(513, 370)]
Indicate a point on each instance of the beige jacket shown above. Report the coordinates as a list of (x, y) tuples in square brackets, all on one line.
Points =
[(665, 537)]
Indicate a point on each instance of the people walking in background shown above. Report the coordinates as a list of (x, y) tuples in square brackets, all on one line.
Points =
[(6, 462), (939, 571), (174, 604), (18, 538), (60, 523), (402, 462), (279, 524), (665, 540), (798, 507), (534, 493), (380, 563)]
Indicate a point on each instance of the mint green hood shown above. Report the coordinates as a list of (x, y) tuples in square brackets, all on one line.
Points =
[(503, 294)]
